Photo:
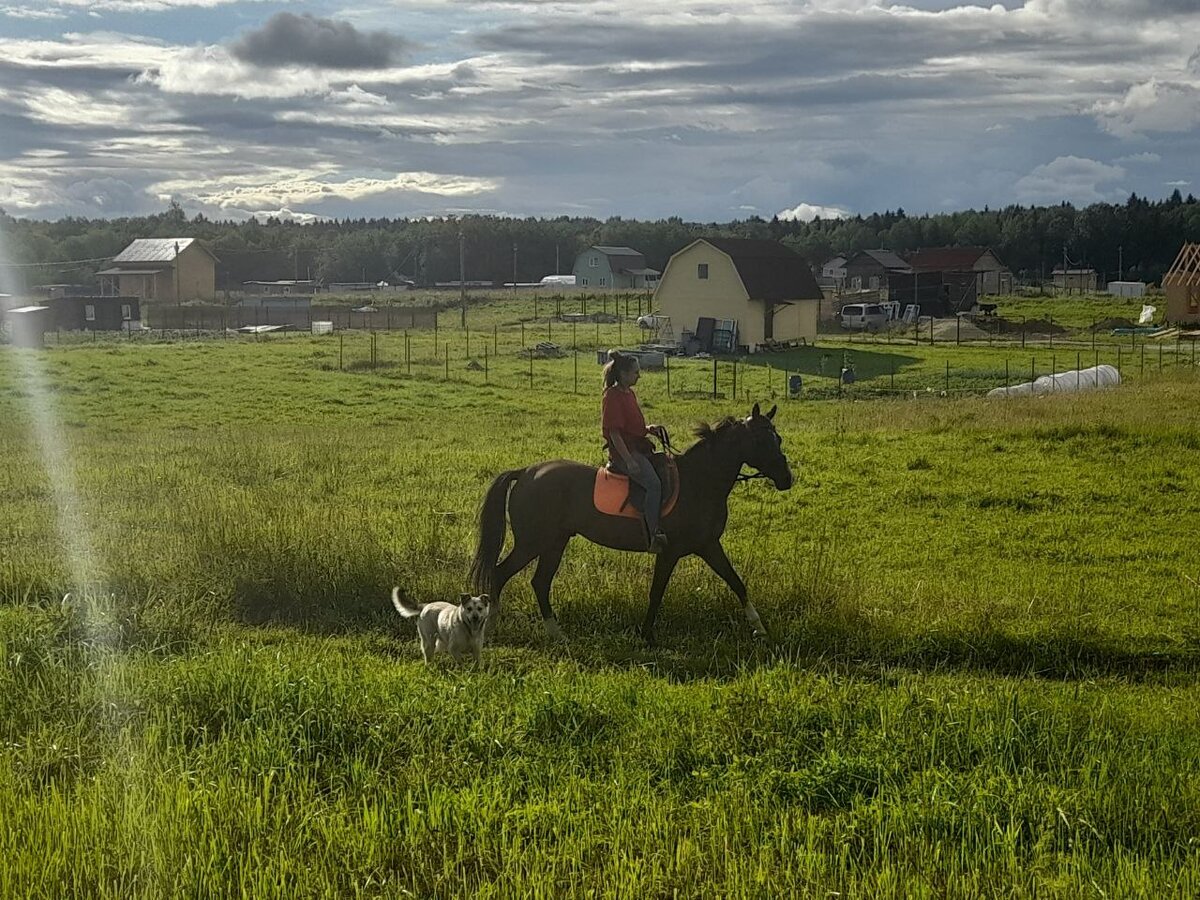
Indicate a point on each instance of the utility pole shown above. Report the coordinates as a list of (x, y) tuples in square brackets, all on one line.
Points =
[(1120, 262), (177, 298), (557, 269), (462, 274), (1066, 279), (514, 265)]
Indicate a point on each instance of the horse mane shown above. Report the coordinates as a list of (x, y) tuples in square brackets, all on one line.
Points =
[(707, 433)]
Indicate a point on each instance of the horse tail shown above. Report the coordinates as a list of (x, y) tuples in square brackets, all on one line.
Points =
[(493, 517)]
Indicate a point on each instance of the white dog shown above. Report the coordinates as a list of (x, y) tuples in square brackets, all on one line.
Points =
[(445, 626)]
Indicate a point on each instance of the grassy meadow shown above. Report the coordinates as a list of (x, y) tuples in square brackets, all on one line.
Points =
[(982, 678)]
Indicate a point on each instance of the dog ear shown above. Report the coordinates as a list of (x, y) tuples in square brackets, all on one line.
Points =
[(463, 597), (487, 601)]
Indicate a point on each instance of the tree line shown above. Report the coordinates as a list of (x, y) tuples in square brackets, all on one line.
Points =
[(1140, 236)]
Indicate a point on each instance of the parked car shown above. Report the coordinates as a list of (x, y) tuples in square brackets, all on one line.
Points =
[(864, 315)]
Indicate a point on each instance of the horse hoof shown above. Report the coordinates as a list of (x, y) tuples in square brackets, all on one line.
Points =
[(648, 637)]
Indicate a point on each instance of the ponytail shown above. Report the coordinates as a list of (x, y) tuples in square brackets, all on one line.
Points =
[(617, 363)]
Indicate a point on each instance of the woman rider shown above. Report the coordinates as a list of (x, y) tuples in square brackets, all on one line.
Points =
[(625, 432)]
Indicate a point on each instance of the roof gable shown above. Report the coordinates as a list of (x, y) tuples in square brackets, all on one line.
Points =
[(157, 250), (884, 258), (769, 270), (950, 259)]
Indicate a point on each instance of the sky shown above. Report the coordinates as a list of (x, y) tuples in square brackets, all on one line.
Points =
[(704, 110)]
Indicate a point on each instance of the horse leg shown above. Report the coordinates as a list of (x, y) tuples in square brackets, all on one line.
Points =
[(715, 556), (543, 576), (518, 558), (664, 567)]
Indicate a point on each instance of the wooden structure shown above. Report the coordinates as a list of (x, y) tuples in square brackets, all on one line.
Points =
[(170, 269), (1182, 287)]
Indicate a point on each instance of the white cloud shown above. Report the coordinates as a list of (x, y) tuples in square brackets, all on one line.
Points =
[(295, 192), (806, 212), (1070, 178), (1153, 105), (1147, 157)]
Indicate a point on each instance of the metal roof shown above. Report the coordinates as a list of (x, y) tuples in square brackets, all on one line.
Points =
[(29, 309), (947, 259), (616, 251), (117, 270), (769, 270), (153, 250)]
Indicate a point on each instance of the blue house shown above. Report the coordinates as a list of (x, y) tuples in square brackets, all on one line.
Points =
[(620, 268)]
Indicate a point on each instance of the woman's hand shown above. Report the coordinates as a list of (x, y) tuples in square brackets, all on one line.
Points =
[(658, 431)]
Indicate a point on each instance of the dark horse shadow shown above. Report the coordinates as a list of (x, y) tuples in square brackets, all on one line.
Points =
[(550, 502)]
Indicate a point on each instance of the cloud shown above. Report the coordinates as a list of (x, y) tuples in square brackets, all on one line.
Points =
[(1069, 178), (287, 39), (1154, 105), (1146, 157), (1179, 183), (806, 212)]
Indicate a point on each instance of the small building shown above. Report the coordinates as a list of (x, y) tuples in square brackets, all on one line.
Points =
[(962, 264), (95, 313), (1127, 288), (53, 291), (763, 286), (1074, 281), (1182, 286), (874, 270), (27, 325), (170, 269), (279, 288), (620, 268)]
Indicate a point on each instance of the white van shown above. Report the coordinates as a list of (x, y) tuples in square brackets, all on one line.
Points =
[(870, 316)]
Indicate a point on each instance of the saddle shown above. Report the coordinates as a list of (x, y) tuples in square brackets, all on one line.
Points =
[(615, 495)]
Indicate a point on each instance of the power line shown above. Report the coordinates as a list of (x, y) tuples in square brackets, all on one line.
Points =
[(61, 262)]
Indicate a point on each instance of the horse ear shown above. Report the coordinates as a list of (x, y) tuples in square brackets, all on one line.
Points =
[(771, 412), (754, 412)]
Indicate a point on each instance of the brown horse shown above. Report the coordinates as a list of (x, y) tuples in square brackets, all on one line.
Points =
[(551, 502)]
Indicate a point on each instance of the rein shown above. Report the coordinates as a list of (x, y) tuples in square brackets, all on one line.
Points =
[(672, 450)]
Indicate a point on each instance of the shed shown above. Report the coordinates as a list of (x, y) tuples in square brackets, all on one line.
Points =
[(963, 264), (28, 325), (763, 286), (1182, 287)]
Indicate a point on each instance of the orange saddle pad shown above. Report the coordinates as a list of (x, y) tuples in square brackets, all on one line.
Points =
[(611, 493)]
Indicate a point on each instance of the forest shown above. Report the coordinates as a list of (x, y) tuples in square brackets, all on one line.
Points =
[(1138, 240)]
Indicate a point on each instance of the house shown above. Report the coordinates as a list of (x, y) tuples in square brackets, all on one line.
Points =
[(873, 269), (1074, 281), (170, 269), (622, 268), (833, 274), (1181, 284), (764, 287), (962, 264), (27, 325)]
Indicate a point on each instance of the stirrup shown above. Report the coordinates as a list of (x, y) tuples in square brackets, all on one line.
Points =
[(658, 543)]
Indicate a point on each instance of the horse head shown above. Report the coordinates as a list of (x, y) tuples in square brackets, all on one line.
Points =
[(764, 448)]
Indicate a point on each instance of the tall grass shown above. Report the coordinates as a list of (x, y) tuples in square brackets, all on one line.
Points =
[(983, 679)]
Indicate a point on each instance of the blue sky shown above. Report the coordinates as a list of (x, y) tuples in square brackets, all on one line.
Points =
[(699, 109)]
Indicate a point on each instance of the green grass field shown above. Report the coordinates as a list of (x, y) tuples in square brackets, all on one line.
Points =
[(982, 679)]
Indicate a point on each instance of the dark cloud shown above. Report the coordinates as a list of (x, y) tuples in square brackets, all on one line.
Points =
[(287, 39)]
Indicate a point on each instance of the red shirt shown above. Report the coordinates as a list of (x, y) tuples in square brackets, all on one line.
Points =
[(619, 411)]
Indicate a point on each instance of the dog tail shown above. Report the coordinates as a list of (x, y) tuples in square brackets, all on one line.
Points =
[(493, 523), (404, 605)]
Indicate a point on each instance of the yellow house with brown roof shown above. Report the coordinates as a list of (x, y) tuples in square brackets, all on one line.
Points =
[(170, 269), (765, 287)]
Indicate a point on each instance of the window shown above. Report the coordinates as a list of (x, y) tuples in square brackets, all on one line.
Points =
[(702, 271), (594, 262), (89, 313), (603, 281), (126, 312), (583, 280), (874, 282)]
